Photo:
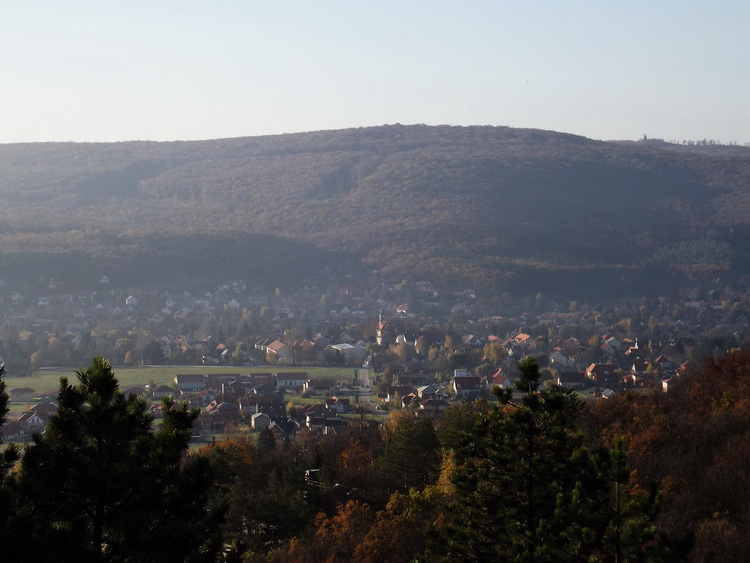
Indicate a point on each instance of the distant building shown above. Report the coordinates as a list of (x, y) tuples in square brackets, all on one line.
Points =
[(21, 394), (187, 382)]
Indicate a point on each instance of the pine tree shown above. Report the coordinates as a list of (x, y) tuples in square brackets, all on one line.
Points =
[(9, 455), (102, 485), (411, 457), (628, 532), (11, 452), (514, 478)]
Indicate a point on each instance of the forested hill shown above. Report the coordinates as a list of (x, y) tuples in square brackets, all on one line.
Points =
[(483, 207)]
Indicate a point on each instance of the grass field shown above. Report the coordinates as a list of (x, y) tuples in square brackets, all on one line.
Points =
[(48, 379)]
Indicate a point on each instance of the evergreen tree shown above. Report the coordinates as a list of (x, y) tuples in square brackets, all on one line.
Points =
[(628, 532), (515, 479), (102, 485), (12, 451), (9, 455), (411, 457), (3, 395)]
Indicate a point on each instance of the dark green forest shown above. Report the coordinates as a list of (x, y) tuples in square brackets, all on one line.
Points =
[(535, 475), (491, 208)]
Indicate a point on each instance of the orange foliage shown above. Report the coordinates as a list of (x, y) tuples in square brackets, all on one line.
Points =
[(337, 536)]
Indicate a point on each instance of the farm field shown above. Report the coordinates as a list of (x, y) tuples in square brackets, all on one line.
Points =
[(48, 379)]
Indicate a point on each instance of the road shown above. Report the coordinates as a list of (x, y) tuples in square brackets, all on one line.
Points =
[(364, 391)]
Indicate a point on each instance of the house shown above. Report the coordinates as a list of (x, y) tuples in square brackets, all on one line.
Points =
[(610, 347), (319, 387), (523, 339), (313, 410), (45, 409), (284, 427), (638, 379), (602, 375), (333, 425), (324, 421), (278, 352), (351, 354), (394, 391), (137, 390), (573, 380), (432, 406), (339, 406), (217, 381), (467, 388), (21, 394), (292, 380), (559, 360), (11, 431), (258, 380), (252, 403), (410, 399), (227, 408), (212, 423), (194, 400), (260, 421), (639, 366), (308, 352), (498, 379), (383, 331), (432, 391), (612, 342), (664, 364), (206, 396), (32, 422), (221, 415), (414, 379), (187, 382), (273, 408), (163, 391), (219, 354)]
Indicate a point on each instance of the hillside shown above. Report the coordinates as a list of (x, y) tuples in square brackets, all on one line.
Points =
[(487, 207)]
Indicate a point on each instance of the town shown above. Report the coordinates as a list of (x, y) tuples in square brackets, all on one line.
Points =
[(408, 345)]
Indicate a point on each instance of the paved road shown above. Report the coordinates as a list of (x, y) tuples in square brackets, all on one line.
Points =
[(364, 392)]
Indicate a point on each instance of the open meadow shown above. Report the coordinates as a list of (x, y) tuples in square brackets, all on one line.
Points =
[(46, 380)]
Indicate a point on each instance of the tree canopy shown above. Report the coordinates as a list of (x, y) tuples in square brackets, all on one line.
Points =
[(102, 484)]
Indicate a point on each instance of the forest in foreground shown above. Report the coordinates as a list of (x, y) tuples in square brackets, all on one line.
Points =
[(535, 476)]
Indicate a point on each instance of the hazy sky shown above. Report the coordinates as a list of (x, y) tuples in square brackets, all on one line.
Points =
[(105, 70)]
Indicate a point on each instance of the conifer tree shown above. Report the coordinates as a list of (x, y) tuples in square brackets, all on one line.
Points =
[(11, 452), (515, 476), (628, 532), (411, 457), (102, 484), (9, 455)]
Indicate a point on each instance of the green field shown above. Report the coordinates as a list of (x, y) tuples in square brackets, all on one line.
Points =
[(48, 379)]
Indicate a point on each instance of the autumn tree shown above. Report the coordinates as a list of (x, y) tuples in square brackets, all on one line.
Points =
[(399, 532), (336, 537), (494, 353)]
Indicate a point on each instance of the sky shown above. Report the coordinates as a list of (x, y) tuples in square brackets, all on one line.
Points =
[(164, 70)]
